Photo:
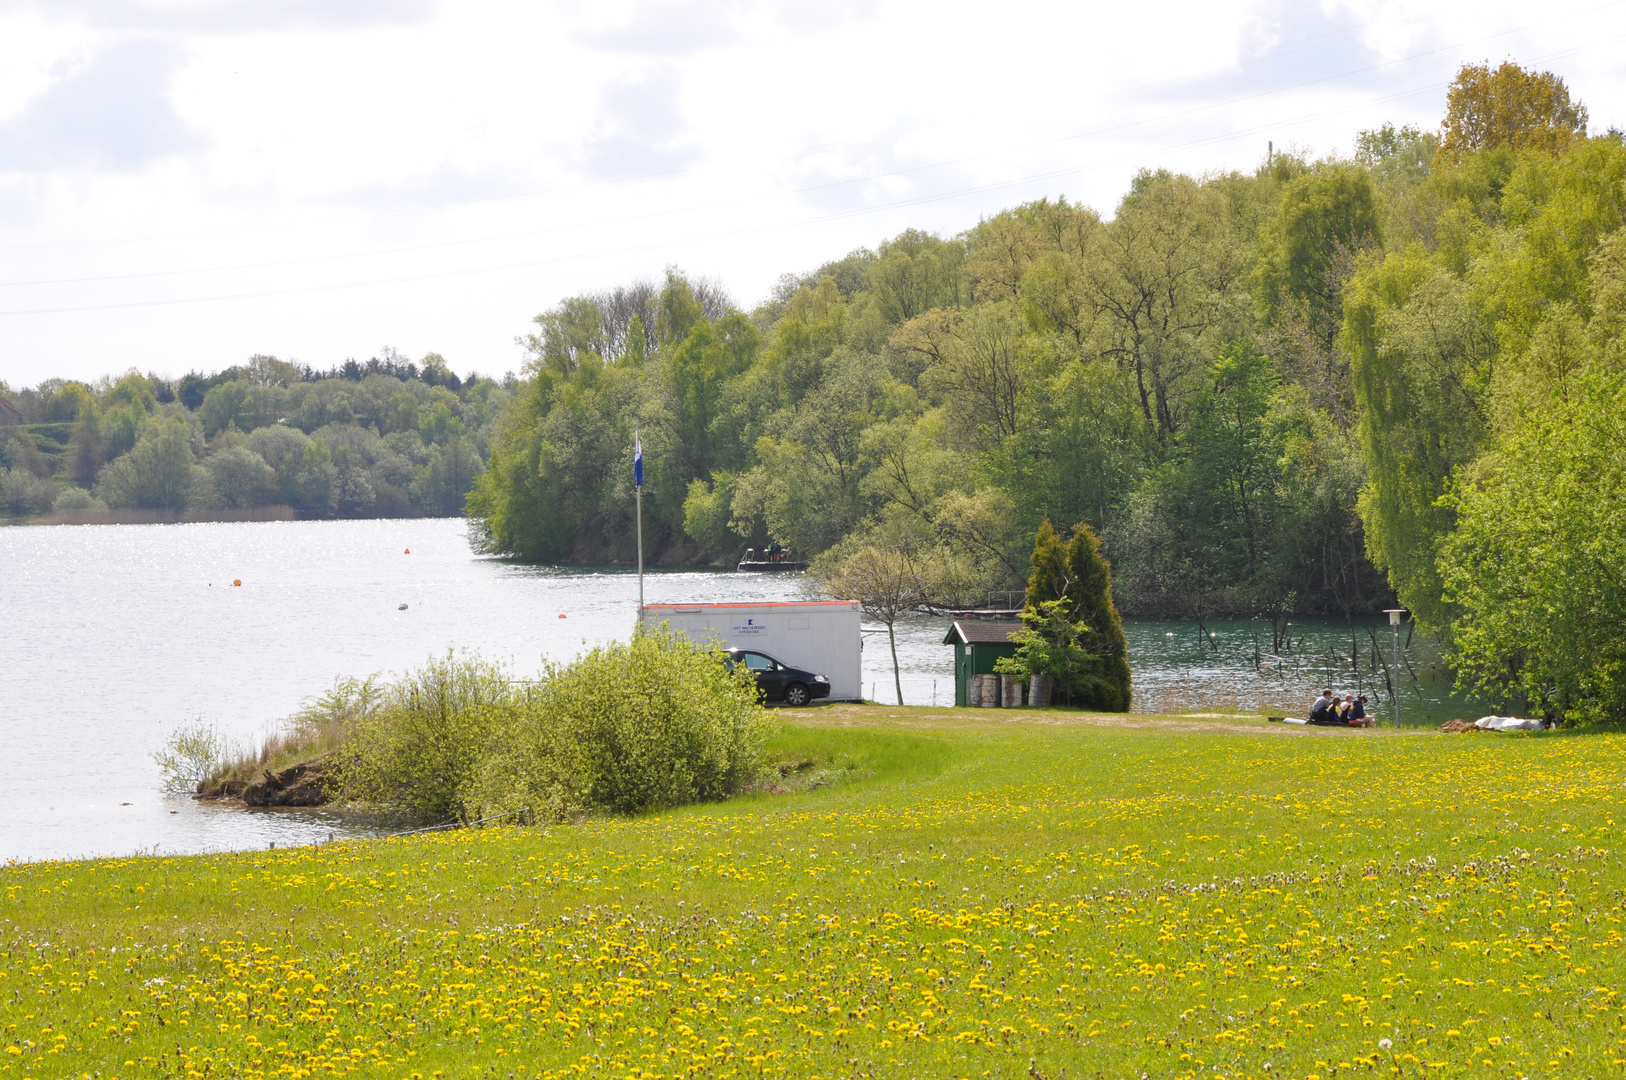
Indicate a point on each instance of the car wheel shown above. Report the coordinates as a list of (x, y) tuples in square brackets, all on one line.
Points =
[(796, 694)]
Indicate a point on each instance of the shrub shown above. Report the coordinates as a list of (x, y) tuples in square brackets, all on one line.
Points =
[(192, 754), (74, 498), (630, 726), (418, 750), (323, 726), (21, 492), (1048, 644)]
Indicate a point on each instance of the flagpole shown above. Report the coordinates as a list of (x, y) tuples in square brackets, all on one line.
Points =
[(638, 487)]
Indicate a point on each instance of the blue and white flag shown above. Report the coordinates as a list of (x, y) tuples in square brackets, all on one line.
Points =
[(637, 458)]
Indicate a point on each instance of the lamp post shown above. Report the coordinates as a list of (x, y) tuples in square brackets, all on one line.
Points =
[(1394, 658)]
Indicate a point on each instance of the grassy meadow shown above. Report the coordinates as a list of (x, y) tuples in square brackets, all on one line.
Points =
[(933, 893)]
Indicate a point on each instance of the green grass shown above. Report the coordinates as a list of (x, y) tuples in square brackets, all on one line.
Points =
[(963, 893)]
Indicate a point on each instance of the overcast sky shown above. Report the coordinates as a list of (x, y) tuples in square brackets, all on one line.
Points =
[(184, 183)]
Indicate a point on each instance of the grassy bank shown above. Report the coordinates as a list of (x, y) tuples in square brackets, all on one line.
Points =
[(935, 894)]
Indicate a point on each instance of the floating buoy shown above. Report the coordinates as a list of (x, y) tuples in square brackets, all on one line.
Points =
[(561, 614), (408, 551), (236, 582), (401, 608)]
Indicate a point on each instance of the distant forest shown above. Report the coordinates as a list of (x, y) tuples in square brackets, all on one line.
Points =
[(1261, 389), (382, 438), (1323, 386)]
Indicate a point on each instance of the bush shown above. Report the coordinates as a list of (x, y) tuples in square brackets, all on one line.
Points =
[(418, 751), (74, 498), (655, 722), (21, 492), (192, 754), (324, 727)]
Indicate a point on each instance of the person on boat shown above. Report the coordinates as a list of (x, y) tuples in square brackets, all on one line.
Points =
[(1322, 709), (774, 551)]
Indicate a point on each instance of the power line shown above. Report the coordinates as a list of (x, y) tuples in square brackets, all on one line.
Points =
[(789, 193), (758, 229), (1291, 49), (691, 240)]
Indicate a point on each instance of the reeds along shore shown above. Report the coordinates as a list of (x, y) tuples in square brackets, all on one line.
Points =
[(134, 516)]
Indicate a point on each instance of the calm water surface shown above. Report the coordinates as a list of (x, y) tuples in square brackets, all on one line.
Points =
[(116, 635)]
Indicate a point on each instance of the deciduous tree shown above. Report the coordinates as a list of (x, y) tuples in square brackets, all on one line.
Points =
[(1508, 106)]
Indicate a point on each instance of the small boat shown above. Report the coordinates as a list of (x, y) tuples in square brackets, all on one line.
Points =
[(770, 562)]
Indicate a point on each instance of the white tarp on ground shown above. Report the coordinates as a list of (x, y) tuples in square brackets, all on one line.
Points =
[(1506, 723)]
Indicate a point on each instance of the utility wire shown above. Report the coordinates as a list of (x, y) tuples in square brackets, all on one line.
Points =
[(704, 238), (750, 230), (1291, 49)]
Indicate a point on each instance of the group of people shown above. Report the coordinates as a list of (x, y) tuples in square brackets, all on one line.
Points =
[(772, 553), (1331, 709)]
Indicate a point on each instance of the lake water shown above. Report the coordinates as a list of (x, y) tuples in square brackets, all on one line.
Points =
[(114, 636)]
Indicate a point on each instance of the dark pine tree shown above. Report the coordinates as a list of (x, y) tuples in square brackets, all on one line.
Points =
[(1049, 578), (1089, 587)]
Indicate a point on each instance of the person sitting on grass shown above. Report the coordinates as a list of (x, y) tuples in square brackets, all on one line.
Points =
[(1322, 708), (1357, 710)]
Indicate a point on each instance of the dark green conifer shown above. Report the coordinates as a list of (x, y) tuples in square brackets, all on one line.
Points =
[(1089, 587), (1049, 578)]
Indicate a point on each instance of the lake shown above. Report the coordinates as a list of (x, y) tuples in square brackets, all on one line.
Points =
[(116, 635)]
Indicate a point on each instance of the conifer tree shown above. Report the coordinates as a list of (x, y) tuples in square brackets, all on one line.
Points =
[(1089, 587), (1049, 578)]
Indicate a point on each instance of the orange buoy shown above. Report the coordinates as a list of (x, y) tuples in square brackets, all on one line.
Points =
[(237, 581), (561, 614), (408, 551)]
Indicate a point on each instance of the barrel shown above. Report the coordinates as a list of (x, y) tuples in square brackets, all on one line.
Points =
[(973, 691), (1011, 691), (1039, 690), (990, 691)]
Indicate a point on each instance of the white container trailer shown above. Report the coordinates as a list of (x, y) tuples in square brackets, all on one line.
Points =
[(821, 636)]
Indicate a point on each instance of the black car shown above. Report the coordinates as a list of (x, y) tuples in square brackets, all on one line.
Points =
[(778, 682)]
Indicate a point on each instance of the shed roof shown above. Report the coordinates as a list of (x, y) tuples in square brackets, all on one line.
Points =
[(982, 632)]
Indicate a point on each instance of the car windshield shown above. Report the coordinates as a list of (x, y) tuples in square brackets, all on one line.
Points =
[(756, 661)]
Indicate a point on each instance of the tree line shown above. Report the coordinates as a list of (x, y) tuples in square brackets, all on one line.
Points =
[(1326, 386), (382, 438)]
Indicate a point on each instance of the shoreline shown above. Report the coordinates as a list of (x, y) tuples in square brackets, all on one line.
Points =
[(137, 516)]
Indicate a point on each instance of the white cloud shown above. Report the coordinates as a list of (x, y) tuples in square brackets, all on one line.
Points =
[(110, 110), (640, 126), (337, 174), (226, 16)]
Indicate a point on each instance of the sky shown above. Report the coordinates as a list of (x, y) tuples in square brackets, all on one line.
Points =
[(187, 183)]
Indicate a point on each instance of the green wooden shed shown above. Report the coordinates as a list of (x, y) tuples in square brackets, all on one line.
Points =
[(977, 644)]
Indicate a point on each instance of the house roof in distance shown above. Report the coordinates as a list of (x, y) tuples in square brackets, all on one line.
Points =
[(982, 632)]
